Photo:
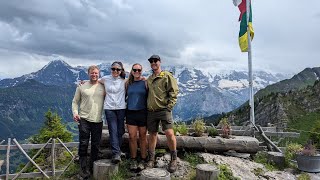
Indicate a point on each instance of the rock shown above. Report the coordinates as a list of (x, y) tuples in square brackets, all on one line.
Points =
[(276, 158), (279, 175), (242, 168), (182, 170)]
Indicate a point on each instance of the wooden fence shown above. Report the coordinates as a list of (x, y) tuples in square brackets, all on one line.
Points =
[(52, 144)]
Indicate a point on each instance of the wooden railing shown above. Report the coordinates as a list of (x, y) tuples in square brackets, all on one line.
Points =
[(52, 144)]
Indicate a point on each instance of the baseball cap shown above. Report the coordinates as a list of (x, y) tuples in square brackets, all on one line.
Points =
[(155, 57)]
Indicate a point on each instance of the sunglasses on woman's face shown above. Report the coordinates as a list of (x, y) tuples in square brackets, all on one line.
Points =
[(135, 70), (116, 69)]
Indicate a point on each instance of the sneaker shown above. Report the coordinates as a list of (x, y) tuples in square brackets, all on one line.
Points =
[(141, 165), (116, 159), (150, 164), (172, 166), (133, 164)]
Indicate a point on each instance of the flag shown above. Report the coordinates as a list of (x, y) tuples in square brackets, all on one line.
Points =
[(243, 34)]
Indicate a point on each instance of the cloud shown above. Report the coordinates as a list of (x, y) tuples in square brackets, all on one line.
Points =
[(194, 33)]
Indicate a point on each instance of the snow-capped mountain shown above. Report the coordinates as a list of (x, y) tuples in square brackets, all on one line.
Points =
[(201, 93)]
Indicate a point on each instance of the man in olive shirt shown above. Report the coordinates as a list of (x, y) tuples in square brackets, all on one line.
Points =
[(90, 97), (162, 96)]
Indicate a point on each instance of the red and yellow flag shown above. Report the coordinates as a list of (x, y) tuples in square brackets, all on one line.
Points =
[(243, 34)]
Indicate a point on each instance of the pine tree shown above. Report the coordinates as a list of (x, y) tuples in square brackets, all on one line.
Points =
[(53, 128)]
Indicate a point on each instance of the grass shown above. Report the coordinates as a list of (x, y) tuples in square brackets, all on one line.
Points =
[(261, 158), (226, 173), (193, 159), (123, 172), (304, 123), (304, 176)]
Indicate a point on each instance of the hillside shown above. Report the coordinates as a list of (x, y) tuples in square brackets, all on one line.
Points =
[(295, 109), (299, 81), (22, 107)]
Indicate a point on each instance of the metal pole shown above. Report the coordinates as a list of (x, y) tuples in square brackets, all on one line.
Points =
[(251, 93), (8, 159)]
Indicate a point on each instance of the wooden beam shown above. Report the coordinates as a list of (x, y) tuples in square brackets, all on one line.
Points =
[(39, 146), (31, 175)]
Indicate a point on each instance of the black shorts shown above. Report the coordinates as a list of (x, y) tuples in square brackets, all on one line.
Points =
[(136, 117)]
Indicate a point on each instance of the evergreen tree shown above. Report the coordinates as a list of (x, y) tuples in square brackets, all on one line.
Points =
[(53, 128)]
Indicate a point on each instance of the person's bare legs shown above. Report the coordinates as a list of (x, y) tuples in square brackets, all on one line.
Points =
[(143, 141), (171, 139), (133, 140)]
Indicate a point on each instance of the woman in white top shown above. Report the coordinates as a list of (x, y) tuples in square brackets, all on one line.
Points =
[(114, 107)]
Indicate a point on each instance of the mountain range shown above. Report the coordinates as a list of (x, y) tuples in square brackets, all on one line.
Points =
[(285, 103), (25, 99)]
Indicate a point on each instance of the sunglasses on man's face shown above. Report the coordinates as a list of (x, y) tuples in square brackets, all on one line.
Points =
[(116, 69), (153, 60), (135, 70)]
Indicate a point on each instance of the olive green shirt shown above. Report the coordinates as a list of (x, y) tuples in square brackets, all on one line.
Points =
[(163, 91), (90, 98)]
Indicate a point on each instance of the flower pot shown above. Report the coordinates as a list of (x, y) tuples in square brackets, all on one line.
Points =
[(308, 163)]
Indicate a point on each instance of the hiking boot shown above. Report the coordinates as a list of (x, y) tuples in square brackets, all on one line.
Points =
[(151, 161), (173, 163), (172, 166), (84, 174), (116, 159), (141, 165), (133, 165)]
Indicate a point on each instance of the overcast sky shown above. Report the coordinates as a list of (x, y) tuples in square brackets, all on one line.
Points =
[(197, 33)]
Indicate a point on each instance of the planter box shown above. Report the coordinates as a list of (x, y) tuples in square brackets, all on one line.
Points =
[(308, 163)]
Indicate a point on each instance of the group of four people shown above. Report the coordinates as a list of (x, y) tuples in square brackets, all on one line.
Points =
[(142, 103)]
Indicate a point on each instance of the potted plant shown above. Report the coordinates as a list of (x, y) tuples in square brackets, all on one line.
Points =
[(225, 127), (308, 159), (199, 127)]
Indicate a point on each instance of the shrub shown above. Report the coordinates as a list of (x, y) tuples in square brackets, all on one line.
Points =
[(212, 132), (309, 149), (315, 135), (304, 176), (193, 159), (226, 173), (225, 127), (291, 151), (181, 128), (199, 127)]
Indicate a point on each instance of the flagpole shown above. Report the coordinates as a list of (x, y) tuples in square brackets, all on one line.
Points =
[(251, 93)]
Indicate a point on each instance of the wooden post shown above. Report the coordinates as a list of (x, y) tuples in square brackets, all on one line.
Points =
[(8, 159), (267, 140), (1, 163), (206, 172), (104, 168), (155, 174), (53, 157)]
